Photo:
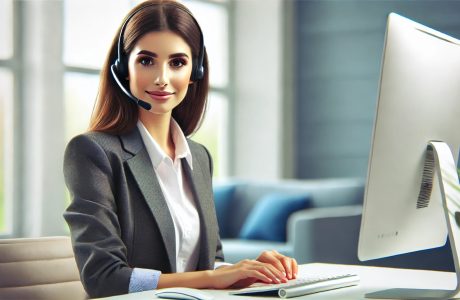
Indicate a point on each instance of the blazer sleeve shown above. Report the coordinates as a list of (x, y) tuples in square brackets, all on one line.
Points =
[(100, 253), (219, 257)]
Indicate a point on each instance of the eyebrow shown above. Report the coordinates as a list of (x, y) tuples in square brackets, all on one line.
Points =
[(152, 54)]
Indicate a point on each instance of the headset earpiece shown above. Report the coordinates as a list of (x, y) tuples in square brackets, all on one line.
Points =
[(121, 68), (197, 71)]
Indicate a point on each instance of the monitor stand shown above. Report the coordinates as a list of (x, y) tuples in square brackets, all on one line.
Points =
[(438, 159)]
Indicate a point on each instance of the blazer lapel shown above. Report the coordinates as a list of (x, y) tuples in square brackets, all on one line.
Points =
[(142, 170)]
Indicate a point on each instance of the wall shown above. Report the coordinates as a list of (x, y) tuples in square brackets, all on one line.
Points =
[(256, 116), (339, 48)]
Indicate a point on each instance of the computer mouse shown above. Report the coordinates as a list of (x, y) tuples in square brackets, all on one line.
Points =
[(183, 293)]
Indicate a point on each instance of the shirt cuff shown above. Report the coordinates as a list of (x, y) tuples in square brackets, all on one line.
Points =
[(219, 264), (143, 280)]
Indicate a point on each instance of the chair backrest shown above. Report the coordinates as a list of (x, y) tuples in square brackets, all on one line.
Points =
[(39, 268)]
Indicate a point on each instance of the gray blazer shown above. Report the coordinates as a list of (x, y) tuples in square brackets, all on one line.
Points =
[(119, 218)]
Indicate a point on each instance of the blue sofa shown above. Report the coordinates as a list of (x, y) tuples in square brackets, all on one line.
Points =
[(326, 229), (251, 213)]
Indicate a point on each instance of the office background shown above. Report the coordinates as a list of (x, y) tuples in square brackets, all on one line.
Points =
[(294, 89)]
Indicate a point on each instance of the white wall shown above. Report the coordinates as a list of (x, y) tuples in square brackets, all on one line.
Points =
[(257, 118)]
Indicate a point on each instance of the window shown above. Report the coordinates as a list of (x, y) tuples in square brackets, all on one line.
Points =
[(6, 29), (6, 128), (213, 19), (88, 30), (82, 62), (213, 132), (79, 93), (6, 115)]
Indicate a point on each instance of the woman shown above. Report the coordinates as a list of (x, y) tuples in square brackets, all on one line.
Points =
[(142, 214)]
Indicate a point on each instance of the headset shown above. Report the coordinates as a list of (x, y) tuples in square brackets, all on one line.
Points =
[(119, 68)]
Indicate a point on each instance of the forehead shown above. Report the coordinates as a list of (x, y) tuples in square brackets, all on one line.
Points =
[(163, 43)]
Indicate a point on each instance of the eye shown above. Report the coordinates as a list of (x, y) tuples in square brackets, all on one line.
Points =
[(178, 62), (146, 61)]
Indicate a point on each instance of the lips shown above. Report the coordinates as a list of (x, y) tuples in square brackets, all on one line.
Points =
[(159, 95)]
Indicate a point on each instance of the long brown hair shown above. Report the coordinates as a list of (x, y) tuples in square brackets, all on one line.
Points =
[(114, 112)]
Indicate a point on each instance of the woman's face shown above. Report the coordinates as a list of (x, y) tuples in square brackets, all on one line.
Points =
[(160, 66)]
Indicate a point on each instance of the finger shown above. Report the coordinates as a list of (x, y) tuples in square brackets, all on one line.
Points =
[(276, 274), (270, 271), (295, 268), (283, 264), (287, 264), (273, 259), (279, 275), (267, 269)]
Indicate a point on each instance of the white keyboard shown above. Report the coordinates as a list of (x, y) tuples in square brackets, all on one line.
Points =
[(300, 286)]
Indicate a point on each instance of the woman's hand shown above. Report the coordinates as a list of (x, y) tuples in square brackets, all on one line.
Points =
[(269, 267), (245, 273), (284, 264)]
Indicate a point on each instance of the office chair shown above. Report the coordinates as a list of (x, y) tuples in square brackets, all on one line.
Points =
[(39, 268)]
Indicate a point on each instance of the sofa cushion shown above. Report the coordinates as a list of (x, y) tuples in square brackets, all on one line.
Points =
[(268, 218), (223, 195)]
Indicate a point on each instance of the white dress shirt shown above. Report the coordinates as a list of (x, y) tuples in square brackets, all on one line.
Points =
[(178, 194), (181, 204)]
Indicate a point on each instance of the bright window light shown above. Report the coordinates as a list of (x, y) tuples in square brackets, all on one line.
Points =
[(213, 132), (6, 29), (89, 27), (213, 21), (6, 150), (80, 94)]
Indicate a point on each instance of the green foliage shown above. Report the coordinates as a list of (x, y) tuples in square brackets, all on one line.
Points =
[(208, 137)]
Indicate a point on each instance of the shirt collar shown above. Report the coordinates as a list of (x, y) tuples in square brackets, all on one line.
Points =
[(157, 155)]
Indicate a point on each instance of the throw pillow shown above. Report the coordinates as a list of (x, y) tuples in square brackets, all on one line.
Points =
[(268, 219)]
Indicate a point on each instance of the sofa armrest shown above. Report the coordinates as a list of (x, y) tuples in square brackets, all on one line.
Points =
[(327, 234)]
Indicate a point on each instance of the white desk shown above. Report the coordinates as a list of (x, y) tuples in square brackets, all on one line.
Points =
[(372, 279)]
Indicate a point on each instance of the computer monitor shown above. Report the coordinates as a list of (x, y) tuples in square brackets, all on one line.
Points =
[(404, 209)]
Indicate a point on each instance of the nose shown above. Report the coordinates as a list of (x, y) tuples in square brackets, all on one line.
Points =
[(161, 76)]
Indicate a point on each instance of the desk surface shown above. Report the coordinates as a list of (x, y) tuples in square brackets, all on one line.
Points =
[(372, 279)]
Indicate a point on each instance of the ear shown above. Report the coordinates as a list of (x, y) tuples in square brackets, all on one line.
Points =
[(191, 82)]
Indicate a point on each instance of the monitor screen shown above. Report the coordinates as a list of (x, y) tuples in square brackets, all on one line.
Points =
[(418, 102)]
